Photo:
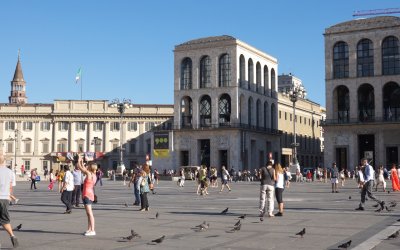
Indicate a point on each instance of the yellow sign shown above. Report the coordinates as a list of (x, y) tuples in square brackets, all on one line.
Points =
[(161, 153)]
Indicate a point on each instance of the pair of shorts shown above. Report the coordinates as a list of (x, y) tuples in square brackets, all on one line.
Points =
[(4, 216), (224, 181), (87, 201), (278, 194), (334, 180)]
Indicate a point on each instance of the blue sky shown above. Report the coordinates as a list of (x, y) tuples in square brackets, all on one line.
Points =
[(126, 47)]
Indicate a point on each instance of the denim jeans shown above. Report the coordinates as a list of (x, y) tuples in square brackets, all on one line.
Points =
[(136, 190)]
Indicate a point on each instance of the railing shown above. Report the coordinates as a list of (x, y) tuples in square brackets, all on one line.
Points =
[(371, 120), (225, 125)]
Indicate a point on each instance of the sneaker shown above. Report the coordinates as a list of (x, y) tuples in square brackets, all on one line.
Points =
[(14, 241), (68, 212), (382, 203), (90, 233), (279, 214), (16, 201), (141, 210), (271, 215), (336, 191), (360, 209)]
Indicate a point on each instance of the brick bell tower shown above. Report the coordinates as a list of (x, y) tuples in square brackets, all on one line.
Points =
[(18, 85)]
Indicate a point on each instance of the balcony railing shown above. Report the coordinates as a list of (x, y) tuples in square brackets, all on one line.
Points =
[(353, 121), (225, 125)]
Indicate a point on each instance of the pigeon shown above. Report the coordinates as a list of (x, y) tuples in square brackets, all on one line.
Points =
[(388, 192), (204, 223), (236, 228), (345, 245), (392, 204), (126, 205), (237, 223), (242, 217), (225, 211), (134, 234), (159, 240), (18, 227), (302, 232), (157, 214), (394, 235), (376, 205), (349, 197), (130, 237), (387, 209), (398, 220), (203, 226), (378, 210)]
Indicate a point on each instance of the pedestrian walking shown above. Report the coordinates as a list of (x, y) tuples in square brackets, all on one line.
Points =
[(6, 178), (99, 176), (181, 181), (380, 179), (66, 191), (144, 181), (395, 178), (52, 179), (224, 179), (33, 178), (267, 188), (368, 178), (88, 193), (334, 178), (279, 187), (60, 178), (76, 194), (45, 173)]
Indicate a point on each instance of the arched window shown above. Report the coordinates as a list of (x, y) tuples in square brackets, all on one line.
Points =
[(365, 58), (273, 81), (250, 73), (186, 112), (391, 101), (205, 111), (273, 116), (224, 109), (224, 70), (258, 77), (340, 60), (205, 72), (258, 113), (266, 80), (342, 105), (390, 56), (250, 112), (266, 108), (366, 103), (186, 73), (242, 71)]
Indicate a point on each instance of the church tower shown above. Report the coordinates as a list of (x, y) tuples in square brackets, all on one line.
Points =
[(18, 84)]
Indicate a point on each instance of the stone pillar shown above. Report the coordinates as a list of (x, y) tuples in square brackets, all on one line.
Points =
[(214, 110), (195, 112), (89, 138), (378, 96), (36, 138), (379, 149), (54, 135), (71, 136), (141, 142), (353, 98), (106, 131)]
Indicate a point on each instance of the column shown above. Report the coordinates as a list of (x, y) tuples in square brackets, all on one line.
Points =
[(36, 139), (106, 130), (70, 136), (214, 110), (141, 139), (54, 136), (89, 138)]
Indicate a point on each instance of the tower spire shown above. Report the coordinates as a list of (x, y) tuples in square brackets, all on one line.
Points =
[(18, 85)]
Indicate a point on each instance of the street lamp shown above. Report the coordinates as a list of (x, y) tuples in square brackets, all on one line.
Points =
[(294, 92), (121, 107), (96, 142)]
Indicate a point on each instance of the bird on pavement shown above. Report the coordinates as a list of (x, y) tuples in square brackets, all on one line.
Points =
[(349, 197), (203, 226), (134, 234), (394, 235), (126, 205), (159, 240), (376, 205), (18, 227), (392, 204), (225, 211), (388, 192), (130, 237), (236, 228), (242, 216), (157, 214), (302, 232), (237, 223), (378, 210), (345, 245)]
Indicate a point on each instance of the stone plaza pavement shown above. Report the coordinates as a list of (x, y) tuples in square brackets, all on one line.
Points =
[(329, 219)]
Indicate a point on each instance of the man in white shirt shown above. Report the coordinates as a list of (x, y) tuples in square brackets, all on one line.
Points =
[(368, 175), (6, 179), (66, 191)]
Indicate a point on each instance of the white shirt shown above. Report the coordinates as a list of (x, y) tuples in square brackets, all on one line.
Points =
[(6, 178), (69, 181), (280, 181)]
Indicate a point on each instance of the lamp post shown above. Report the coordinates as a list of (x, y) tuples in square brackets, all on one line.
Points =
[(96, 142), (121, 107), (294, 93)]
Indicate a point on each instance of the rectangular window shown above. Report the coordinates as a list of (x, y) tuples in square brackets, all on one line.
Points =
[(280, 114), (27, 126), (27, 165), (291, 117), (97, 146), (132, 126), (45, 165), (285, 116), (45, 147), (115, 126), (80, 126), (114, 147), (149, 126), (27, 147), (10, 126), (62, 147), (45, 126), (63, 126), (97, 126), (300, 119), (10, 147)]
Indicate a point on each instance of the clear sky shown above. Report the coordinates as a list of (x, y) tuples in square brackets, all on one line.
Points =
[(125, 47)]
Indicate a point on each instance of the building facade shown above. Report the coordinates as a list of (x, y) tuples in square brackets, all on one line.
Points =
[(225, 101), (362, 67), (39, 135), (309, 132)]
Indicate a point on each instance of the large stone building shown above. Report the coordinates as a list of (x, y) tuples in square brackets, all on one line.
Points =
[(225, 99), (362, 64), (39, 135), (309, 133)]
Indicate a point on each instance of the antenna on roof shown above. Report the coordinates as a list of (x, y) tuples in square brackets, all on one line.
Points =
[(376, 12)]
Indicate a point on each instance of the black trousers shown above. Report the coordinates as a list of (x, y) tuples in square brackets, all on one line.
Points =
[(76, 195), (66, 198), (143, 201), (33, 183)]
